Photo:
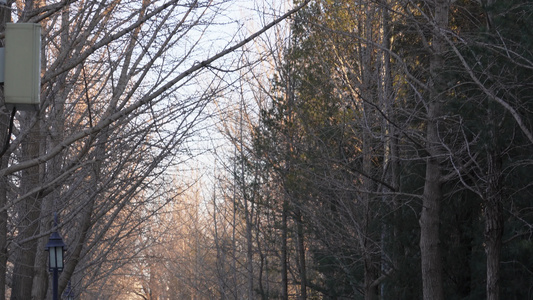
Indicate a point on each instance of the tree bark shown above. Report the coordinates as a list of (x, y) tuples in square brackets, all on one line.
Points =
[(284, 252), (493, 245), (430, 217), (391, 166), (494, 224), (368, 92), (29, 212), (493, 211), (301, 253)]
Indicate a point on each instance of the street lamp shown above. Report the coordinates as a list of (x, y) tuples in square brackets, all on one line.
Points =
[(55, 248)]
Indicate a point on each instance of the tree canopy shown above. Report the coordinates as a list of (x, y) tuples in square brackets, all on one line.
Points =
[(375, 149)]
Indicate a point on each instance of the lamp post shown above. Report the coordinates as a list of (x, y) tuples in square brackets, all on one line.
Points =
[(55, 248)]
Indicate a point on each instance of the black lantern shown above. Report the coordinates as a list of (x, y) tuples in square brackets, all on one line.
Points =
[(55, 248)]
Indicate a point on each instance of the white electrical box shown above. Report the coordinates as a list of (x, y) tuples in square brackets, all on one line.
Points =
[(22, 73)]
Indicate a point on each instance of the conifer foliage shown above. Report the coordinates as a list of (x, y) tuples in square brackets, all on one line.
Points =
[(400, 133)]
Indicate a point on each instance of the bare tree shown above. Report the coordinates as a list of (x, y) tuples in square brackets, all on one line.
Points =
[(117, 108)]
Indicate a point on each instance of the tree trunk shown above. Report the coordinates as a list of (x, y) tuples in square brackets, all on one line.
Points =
[(249, 249), (493, 245), (390, 232), (301, 254), (368, 92), (53, 167), (284, 252), (493, 211), (430, 217), (493, 214), (429, 233), (29, 212)]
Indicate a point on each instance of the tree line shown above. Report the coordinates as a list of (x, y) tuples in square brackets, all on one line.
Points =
[(390, 156), (376, 149)]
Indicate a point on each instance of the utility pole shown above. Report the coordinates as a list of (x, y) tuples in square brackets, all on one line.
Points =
[(5, 16)]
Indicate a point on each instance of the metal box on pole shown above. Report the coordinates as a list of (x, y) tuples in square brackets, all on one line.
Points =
[(22, 85)]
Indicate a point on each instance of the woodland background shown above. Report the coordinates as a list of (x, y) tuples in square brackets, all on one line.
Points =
[(321, 149)]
